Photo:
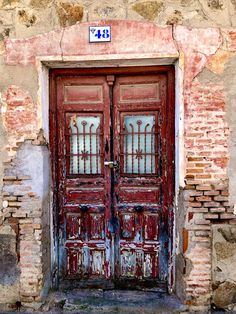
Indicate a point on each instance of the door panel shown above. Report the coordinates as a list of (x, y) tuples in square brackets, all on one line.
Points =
[(112, 177), (83, 181), (140, 137)]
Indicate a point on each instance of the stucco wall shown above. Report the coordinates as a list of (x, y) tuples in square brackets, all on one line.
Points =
[(206, 60)]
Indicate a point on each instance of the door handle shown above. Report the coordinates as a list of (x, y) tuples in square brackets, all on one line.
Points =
[(111, 164)]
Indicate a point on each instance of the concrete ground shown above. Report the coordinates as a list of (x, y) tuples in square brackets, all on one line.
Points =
[(109, 301)]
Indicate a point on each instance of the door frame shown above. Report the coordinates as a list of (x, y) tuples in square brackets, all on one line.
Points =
[(169, 70)]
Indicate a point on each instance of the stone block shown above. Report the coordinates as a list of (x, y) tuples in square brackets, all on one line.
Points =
[(225, 294), (30, 21), (40, 4), (69, 13), (149, 10), (106, 10), (9, 4), (224, 265), (9, 272)]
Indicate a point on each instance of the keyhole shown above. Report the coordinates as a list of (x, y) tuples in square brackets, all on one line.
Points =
[(106, 147)]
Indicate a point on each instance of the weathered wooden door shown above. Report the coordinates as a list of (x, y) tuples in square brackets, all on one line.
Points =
[(114, 176)]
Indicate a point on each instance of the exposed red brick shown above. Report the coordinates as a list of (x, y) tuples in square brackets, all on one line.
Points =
[(195, 204), (199, 227), (211, 193), (37, 226), (195, 158), (221, 187), (203, 176), (193, 182), (202, 233), (14, 204), (203, 199), (195, 193), (227, 216), (204, 187), (211, 204), (9, 178), (217, 210), (201, 222), (226, 204), (199, 210), (194, 170), (211, 216), (221, 198), (201, 239), (225, 193), (189, 187), (189, 176)]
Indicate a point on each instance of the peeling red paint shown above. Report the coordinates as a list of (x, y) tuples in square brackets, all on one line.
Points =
[(197, 45), (115, 215), (185, 240), (231, 41), (190, 216), (127, 37)]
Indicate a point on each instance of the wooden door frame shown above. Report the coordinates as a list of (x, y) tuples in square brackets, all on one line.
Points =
[(54, 74)]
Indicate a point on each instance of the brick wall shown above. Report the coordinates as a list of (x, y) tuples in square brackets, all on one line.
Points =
[(23, 208), (24, 212), (206, 193)]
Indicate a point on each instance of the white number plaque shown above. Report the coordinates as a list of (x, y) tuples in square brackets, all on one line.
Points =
[(99, 34)]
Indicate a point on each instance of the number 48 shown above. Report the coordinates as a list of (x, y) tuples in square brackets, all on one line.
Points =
[(103, 34)]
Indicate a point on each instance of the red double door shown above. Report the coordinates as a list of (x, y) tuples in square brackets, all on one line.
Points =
[(115, 175)]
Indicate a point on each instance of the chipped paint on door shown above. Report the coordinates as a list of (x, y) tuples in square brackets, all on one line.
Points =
[(83, 182), (114, 144), (140, 148)]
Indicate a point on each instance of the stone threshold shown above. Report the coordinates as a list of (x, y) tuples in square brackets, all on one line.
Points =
[(91, 301)]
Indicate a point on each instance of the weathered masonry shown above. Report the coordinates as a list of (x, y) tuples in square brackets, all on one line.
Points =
[(118, 158)]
